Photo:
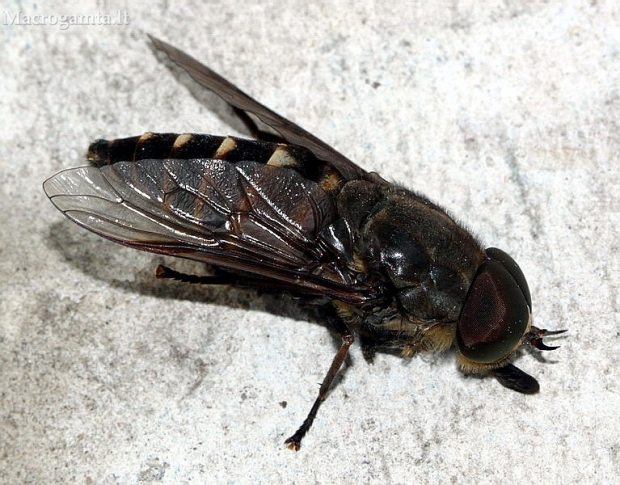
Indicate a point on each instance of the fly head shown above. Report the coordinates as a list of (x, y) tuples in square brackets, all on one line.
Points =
[(496, 320)]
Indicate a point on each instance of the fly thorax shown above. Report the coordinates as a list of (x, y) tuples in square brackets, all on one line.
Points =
[(428, 258)]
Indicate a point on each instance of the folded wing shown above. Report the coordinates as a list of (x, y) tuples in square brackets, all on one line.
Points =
[(245, 216)]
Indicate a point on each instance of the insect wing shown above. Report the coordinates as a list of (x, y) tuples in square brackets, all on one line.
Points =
[(246, 216), (235, 97)]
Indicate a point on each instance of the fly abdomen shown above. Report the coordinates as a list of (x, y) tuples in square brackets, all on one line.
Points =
[(186, 146), (105, 152)]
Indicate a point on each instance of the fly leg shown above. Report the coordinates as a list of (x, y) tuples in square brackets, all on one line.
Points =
[(327, 312), (163, 272), (294, 442), (225, 278)]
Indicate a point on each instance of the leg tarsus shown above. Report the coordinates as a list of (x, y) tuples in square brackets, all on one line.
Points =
[(294, 442)]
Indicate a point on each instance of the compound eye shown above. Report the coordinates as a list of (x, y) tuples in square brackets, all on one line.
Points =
[(514, 270), (495, 315)]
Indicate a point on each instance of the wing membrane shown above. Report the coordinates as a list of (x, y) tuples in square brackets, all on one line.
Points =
[(245, 216), (290, 131)]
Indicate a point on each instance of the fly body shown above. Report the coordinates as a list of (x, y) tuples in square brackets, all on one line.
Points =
[(288, 213)]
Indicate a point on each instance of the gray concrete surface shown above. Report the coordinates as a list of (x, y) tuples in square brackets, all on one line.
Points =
[(507, 113)]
